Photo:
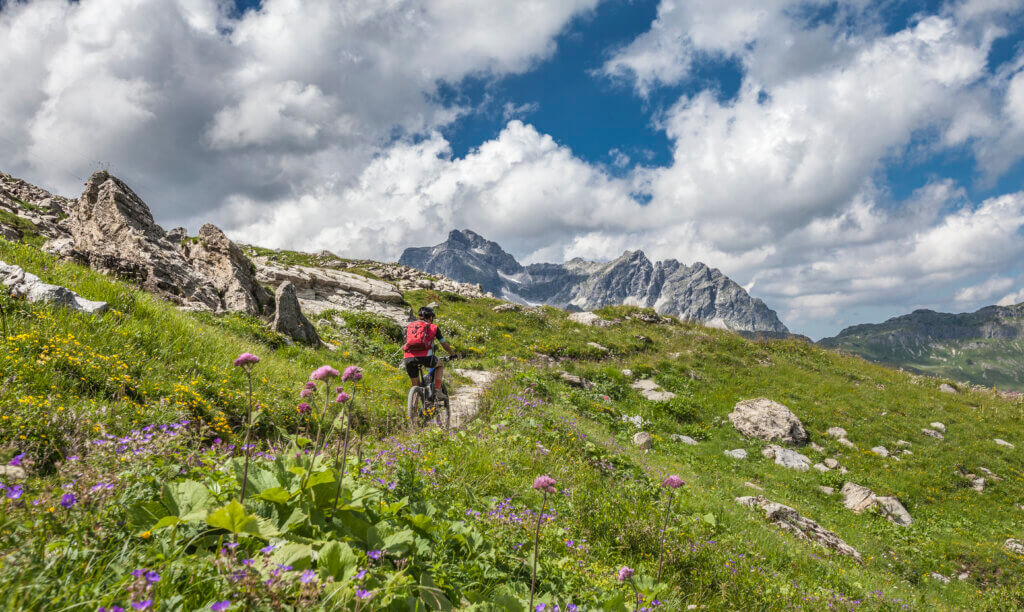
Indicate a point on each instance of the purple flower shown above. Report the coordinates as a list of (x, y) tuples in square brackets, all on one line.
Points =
[(673, 482), (138, 573), (307, 576), (323, 373), (363, 594), (625, 573), (16, 460), (310, 385), (361, 575), (352, 373), (540, 607), (343, 397), (247, 561), (303, 408), (305, 393), (269, 548), (68, 500), (571, 608), (152, 577), (111, 609), (374, 554), (14, 492), (544, 483), (246, 359), (142, 605), (221, 605)]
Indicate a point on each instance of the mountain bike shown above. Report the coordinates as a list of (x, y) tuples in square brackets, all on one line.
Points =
[(424, 406)]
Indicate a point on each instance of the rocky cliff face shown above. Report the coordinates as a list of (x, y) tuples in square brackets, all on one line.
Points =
[(694, 292)]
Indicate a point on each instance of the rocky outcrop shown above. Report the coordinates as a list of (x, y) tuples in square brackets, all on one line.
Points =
[(804, 528), (40, 209), (589, 318), (288, 317), (320, 289), (27, 286), (769, 421), (787, 458), (652, 391), (696, 292), (112, 230), (858, 499)]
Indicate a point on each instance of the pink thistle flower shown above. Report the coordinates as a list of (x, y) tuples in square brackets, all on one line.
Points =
[(305, 393), (323, 373), (625, 573), (303, 408), (673, 482), (343, 397), (310, 385), (352, 373), (246, 359), (544, 483)]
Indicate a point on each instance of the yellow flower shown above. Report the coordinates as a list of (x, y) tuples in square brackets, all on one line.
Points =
[(145, 534)]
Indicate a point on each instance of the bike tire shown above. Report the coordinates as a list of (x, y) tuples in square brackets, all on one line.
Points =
[(444, 416), (414, 405)]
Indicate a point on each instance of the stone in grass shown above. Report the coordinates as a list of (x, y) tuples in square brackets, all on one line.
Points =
[(737, 453), (12, 472), (652, 391), (826, 490), (766, 420), (903, 443), (881, 451), (847, 443), (892, 509), (1003, 443), (931, 433), (642, 439), (802, 527), (507, 307), (1014, 546), (786, 458), (831, 463), (753, 486), (976, 482), (597, 346), (683, 439), (857, 498), (947, 388), (939, 577), (817, 447), (990, 474), (821, 467), (836, 432), (937, 426)]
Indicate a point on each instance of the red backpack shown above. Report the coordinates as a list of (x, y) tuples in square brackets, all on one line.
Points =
[(418, 337)]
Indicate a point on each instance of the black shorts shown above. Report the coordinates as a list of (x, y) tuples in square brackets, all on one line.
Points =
[(412, 364)]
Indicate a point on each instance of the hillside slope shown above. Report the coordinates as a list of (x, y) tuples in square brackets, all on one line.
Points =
[(137, 416), (985, 347)]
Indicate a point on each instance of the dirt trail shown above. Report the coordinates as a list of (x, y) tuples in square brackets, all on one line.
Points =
[(465, 402)]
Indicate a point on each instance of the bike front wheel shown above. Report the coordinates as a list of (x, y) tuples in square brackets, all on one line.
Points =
[(415, 405), (444, 412)]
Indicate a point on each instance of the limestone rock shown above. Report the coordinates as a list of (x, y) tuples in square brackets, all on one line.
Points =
[(932, 434), (976, 482), (652, 391), (881, 451), (821, 467), (589, 318), (288, 317), (642, 439), (230, 272), (576, 381), (597, 346), (892, 509), (903, 443), (857, 498), (1014, 546), (826, 490), (507, 307), (990, 474), (737, 453), (1003, 443), (11, 233), (939, 427), (947, 388), (27, 286), (847, 443), (683, 439), (627, 372), (804, 528), (753, 486), (831, 463), (817, 447), (766, 420), (939, 577), (178, 234), (836, 432), (787, 458), (12, 472)]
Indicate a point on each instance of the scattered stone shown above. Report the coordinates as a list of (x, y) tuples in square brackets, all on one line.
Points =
[(787, 458), (847, 443), (683, 439), (990, 474), (826, 490), (821, 467), (947, 388), (13, 472), (1014, 546), (597, 346), (1003, 443), (836, 432), (589, 318), (804, 528), (906, 452), (507, 307), (817, 447), (738, 453), (963, 576), (939, 577), (903, 443), (753, 486), (627, 372), (766, 420), (932, 433), (881, 451), (893, 510), (288, 317), (652, 391), (11, 233), (977, 482), (938, 427), (831, 463), (857, 498), (24, 285), (642, 439), (576, 381)]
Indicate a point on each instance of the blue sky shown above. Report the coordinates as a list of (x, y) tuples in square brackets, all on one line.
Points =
[(844, 161)]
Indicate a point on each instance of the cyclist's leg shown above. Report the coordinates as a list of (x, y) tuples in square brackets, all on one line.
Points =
[(412, 368)]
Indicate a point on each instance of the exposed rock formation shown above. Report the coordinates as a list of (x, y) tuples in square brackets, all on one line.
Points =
[(642, 439), (694, 292), (21, 284), (804, 528), (787, 458), (589, 318), (288, 317), (858, 499), (769, 421), (652, 391), (230, 272)]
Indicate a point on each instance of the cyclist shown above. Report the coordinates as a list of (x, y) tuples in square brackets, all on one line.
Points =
[(419, 348)]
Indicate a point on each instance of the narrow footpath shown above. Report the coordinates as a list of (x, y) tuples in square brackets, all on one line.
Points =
[(465, 402)]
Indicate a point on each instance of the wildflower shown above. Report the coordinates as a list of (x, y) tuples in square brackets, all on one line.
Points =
[(544, 483), (138, 573), (310, 385), (343, 397), (625, 573), (14, 492), (246, 359), (303, 408), (221, 605), (152, 577), (307, 576), (68, 500), (16, 460), (540, 607), (305, 393), (323, 372), (361, 575), (363, 594), (247, 561), (142, 605), (145, 534), (673, 482), (374, 554), (269, 548), (352, 373)]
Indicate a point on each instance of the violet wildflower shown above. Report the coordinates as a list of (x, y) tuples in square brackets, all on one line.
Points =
[(269, 548), (16, 460), (323, 373), (673, 482), (363, 594), (138, 573), (14, 492), (544, 484), (221, 605), (374, 554), (310, 385), (361, 575), (343, 397), (307, 576), (152, 577), (353, 374), (142, 605), (246, 359), (68, 500)]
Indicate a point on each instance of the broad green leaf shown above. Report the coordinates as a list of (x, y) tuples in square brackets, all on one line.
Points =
[(710, 519), (189, 499), (296, 555), (337, 559), (275, 494), (145, 514), (432, 596), (399, 543), (233, 518), (167, 521), (320, 478), (295, 519)]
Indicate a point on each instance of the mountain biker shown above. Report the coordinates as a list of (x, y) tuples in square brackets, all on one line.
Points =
[(419, 348)]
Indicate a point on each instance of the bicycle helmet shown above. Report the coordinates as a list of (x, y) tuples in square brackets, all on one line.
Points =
[(426, 312)]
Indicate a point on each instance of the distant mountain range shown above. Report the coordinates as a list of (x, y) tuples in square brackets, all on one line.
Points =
[(984, 347), (694, 292)]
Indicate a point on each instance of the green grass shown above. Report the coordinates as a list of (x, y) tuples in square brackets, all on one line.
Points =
[(69, 378)]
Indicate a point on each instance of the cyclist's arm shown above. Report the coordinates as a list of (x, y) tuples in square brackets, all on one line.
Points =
[(444, 343)]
